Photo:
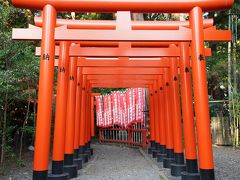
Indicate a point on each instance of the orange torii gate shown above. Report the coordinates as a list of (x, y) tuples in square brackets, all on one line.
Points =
[(110, 71), (86, 71), (109, 84), (103, 72), (195, 34), (106, 71)]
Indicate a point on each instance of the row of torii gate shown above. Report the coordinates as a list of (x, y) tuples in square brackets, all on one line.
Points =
[(117, 54)]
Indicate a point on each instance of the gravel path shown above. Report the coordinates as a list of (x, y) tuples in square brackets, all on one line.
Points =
[(112, 162), (226, 162), (119, 163)]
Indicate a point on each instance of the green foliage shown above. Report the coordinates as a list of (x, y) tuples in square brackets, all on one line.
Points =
[(105, 91), (217, 74), (18, 76), (87, 16), (21, 163)]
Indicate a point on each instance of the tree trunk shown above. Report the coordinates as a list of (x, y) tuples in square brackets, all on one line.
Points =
[(24, 124), (230, 70), (34, 114), (235, 71), (4, 129)]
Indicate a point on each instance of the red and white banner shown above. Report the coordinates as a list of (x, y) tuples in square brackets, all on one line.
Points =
[(99, 111), (121, 108)]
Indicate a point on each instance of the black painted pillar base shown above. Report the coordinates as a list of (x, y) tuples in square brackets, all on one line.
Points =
[(158, 146), (178, 167), (84, 157), (40, 175), (167, 162), (89, 147), (153, 147), (77, 160), (57, 171), (69, 167), (88, 153), (207, 174), (71, 170), (83, 154), (192, 165), (169, 159), (75, 155), (63, 176), (57, 167), (152, 144), (179, 158), (190, 176), (89, 144), (150, 150), (162, 154), (156, 150), (81, 150), (160, 157), (191, 170), (91, 150)]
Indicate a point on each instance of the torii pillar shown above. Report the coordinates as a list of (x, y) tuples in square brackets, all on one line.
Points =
[(199, 73), (188, 116), (162, 112), (60, 114), (44, 113)]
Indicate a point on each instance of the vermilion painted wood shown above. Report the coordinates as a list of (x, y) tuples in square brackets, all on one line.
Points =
[(110, 24), (156, 112), (187, 104), (71, 107), (120, 52), (141, 62), (162, 110), (86, 115), (124, 51), (120, 63), (163, 6), (89, 113), (92, 113), (127, 71), (61, 103), (120, 85), (117, 44), (83, 104), (201, 93), (62, 34), (122, 77), (168, 112), (44, 113), (176, 116), (130, 130), (128, 84), (109, 81), (78, 108), (151, 114)]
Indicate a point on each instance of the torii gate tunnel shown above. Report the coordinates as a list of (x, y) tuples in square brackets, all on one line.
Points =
[(124, 53)]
